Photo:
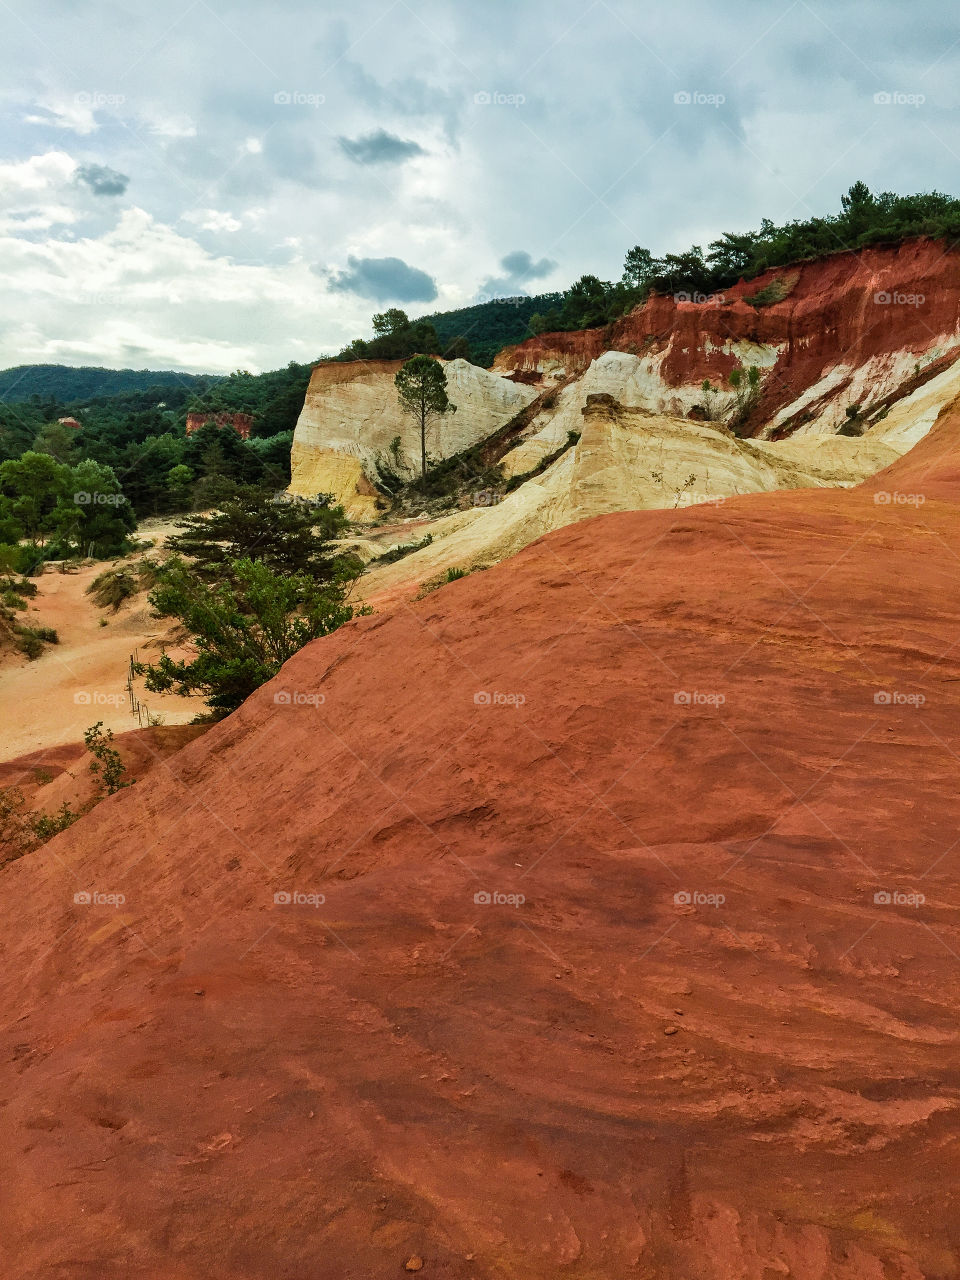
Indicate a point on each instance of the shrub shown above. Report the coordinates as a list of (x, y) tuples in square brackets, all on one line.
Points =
[(47, 825), (244, 627), (110, 588), (106, 766), (30, 640), (773, 292), (404, 549), (21, 831)]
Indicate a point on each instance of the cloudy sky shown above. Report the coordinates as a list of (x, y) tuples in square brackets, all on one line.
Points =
[(217, 184)]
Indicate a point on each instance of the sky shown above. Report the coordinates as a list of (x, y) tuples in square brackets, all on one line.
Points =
[(207, 185)]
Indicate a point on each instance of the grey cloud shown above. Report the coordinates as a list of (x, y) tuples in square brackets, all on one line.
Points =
[(409, 97), (379, 147), (102, 180), (519, 270), (382, 280)]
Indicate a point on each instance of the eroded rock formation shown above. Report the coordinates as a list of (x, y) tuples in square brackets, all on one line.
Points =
[(851, 330), (351, 417)]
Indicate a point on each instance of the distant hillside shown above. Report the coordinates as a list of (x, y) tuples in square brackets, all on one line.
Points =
[(488, 326), (65, 384)]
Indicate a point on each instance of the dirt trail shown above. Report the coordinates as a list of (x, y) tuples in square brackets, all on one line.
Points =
[(52, 699)]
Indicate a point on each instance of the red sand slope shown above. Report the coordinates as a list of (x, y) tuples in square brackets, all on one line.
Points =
[(604, 1081)]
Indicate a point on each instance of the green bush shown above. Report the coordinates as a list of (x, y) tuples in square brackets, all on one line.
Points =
[(110, 588), (404, 549)]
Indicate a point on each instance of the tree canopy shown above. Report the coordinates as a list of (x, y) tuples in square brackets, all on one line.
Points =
[(422, 392)]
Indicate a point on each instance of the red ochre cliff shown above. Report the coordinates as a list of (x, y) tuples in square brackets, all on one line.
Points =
[(242, 423), (876, 311)]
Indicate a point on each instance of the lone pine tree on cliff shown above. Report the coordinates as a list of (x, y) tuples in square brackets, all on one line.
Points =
[(422, 391)]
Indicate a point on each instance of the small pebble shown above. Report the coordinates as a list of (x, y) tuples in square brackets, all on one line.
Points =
[(413, 1264), (670, 1031)]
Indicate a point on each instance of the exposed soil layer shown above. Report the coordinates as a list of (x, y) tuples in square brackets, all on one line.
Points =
[(715, 750), (877, 305)]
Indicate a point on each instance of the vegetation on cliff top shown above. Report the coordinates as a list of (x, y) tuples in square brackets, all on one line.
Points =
[(864, 219)]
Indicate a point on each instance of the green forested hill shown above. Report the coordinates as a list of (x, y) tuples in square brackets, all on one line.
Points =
[(66, 384)]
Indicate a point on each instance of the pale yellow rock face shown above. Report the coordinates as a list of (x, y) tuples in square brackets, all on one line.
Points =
[(351, 416), (627, 460)]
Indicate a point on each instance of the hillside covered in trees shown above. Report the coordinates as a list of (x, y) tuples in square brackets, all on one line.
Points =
[(66, 384)]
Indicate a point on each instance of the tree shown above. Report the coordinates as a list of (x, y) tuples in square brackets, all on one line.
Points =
[(58, 440), (422, 391), (551, 322), (586, 303), (244, 627), (252, 524), (219, 452), (389, 321), (178, 481), (35, 483), (638, 267), (94, 516)]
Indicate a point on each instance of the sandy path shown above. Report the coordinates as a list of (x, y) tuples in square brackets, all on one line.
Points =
[(52, 699)]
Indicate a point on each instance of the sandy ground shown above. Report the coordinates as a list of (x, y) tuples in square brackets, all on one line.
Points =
[(51, 700)]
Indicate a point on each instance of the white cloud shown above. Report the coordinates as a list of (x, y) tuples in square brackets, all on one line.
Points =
[(33, 193), (37, 175), (146, 295), (213, 220), (75, 113)]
